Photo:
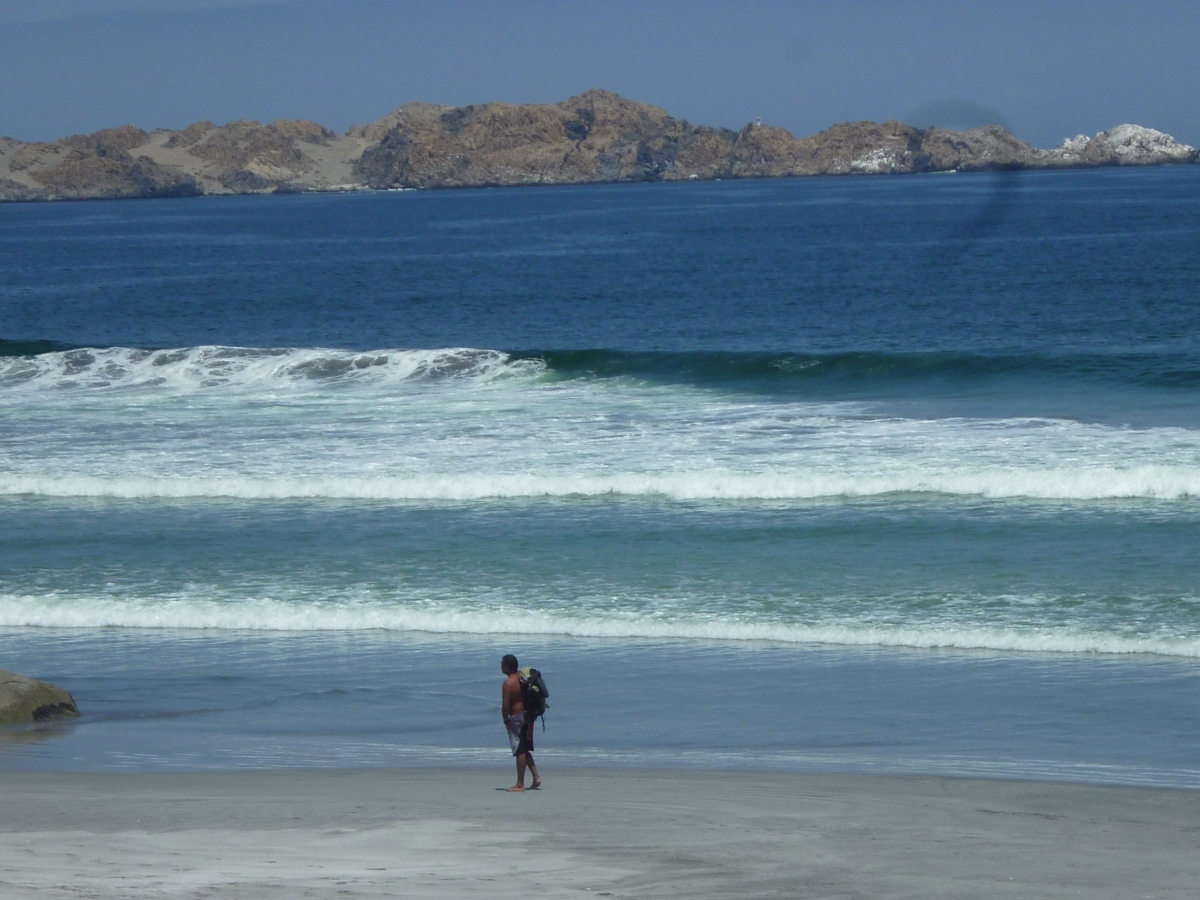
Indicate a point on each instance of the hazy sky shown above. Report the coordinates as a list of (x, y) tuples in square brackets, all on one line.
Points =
[(1048, 69)]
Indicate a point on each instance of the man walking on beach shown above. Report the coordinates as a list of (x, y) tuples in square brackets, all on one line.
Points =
[(519, 725)]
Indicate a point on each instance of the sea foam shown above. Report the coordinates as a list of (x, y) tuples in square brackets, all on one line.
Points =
[(1146, 482)]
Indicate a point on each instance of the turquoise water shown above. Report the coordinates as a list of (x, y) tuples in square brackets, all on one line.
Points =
[(865, 463)]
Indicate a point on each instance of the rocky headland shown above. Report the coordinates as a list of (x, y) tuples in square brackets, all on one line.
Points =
[(597, 136)]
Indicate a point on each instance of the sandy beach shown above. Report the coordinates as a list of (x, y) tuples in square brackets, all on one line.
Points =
[(449, 833)]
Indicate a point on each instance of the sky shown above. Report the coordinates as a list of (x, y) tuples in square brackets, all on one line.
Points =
[(1046, 70)]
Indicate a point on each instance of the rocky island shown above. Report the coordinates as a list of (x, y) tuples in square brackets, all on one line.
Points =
[(597, 136)]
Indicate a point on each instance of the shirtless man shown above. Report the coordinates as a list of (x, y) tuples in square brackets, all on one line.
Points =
[(520, 731)]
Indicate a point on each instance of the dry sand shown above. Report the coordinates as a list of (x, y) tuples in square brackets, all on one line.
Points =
[(443, 833), (329, 166)]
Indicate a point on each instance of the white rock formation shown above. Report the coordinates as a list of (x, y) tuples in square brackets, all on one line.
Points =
[(1125, 145), (882, 161)]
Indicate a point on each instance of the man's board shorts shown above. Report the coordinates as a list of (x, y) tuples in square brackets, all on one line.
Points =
[(520, 733)]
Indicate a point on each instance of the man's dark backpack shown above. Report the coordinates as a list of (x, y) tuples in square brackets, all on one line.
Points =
[(535, 693)]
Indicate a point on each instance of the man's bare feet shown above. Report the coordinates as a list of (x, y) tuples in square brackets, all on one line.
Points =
[(537, 783), (516, 788)]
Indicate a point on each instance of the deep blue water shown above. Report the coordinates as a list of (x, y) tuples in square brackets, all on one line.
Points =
[(1102, 261), (885, 463)]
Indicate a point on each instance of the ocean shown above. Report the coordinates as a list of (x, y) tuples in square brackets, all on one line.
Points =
[(844, 474)]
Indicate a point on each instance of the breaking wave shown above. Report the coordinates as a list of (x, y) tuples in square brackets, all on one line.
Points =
[(208, 367), (1149, 482), (47, 364), (271, 615)]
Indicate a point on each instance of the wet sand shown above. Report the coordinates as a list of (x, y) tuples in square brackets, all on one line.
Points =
[(449, 833)]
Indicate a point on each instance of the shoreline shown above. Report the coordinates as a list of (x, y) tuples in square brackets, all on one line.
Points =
[(294, 701), (366, 190), (622, 833)]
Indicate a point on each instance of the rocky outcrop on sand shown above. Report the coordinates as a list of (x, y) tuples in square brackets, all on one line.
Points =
[(238, 158), (25, 700), (99, 165), (597, 136), (247, 156)]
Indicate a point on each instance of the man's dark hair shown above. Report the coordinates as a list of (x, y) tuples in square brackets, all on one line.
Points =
[(509, 662)]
